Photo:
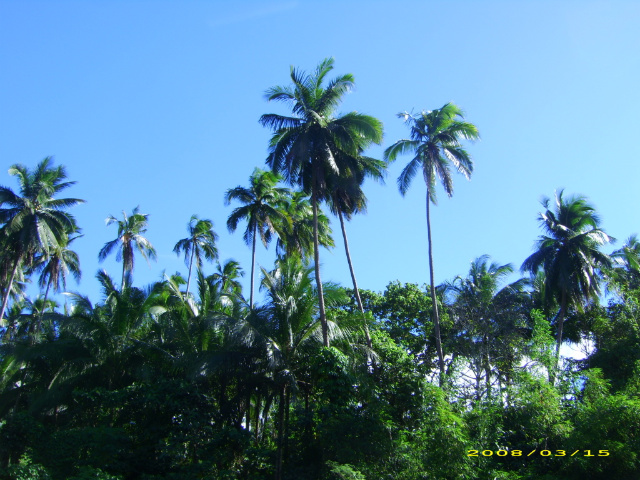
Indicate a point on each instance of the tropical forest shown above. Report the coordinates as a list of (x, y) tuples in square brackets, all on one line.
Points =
[(228, 370)]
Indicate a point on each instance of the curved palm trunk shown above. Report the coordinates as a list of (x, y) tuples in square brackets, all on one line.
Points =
[(5, 300), (253, 263), (316, 259), (353, 278), (436, 316)]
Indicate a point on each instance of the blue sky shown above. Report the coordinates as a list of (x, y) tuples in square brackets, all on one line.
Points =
[(157, 104)]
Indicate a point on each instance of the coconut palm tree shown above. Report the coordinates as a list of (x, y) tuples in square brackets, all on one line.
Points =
[(288, 330), (488, 312), (569, 254), (34, 221), (200, 242), (346, 198), (261, 210), (435, 144), (295, 231), (625, 274), (130, 238), (226, 277), (54, 270), (313, 144)]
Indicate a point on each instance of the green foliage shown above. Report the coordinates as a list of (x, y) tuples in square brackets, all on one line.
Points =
[(344, 472), (153, 383), (541, 345), (405, 313), (535, 417), (617, 337), (88, 473), (27, 470), (605, 422)]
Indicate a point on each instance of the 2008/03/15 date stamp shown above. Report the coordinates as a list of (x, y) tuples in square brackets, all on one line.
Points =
[(536, 453)]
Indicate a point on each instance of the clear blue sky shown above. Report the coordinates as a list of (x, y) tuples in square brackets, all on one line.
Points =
[(157, 104)]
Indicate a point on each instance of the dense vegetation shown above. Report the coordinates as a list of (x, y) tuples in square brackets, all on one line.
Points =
[(192, 377)]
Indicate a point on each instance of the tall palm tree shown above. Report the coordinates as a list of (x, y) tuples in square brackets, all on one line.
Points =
[(200, 242), (314, 143), (261, 210), (346, 198), (34, 221), (130, 237), (569, 254), (435, 143)]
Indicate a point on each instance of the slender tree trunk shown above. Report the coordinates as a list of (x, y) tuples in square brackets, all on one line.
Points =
[(44, 306), (316, 259), (248, 413), (487, 366), (193, 251), (256, 422), (5, 300), (353, 278), (563, 311), (561, 315), (436, 316), (286, 425), (253, 264), (281, 411), (265, 412)]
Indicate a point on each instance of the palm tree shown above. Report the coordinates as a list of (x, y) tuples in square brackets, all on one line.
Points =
[(226, 277), (625, 273), (488, 313), (295, 231), (54, 270), (569, 254), (313, 144), (130, 237), (346, 198), (34, 221), (261, 210), (435, 142), (200, 242), (287, 329)]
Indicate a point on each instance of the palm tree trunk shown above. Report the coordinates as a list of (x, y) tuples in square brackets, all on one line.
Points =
[(193, 251), (248, 413), (487, 366), (279, 447), (256, 423), (286, 425), (253, 263), (44, 306), (316, 259), (353, 278), (265, 412), (561, 315), (436, 316), (563, 311), (5, 300)]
